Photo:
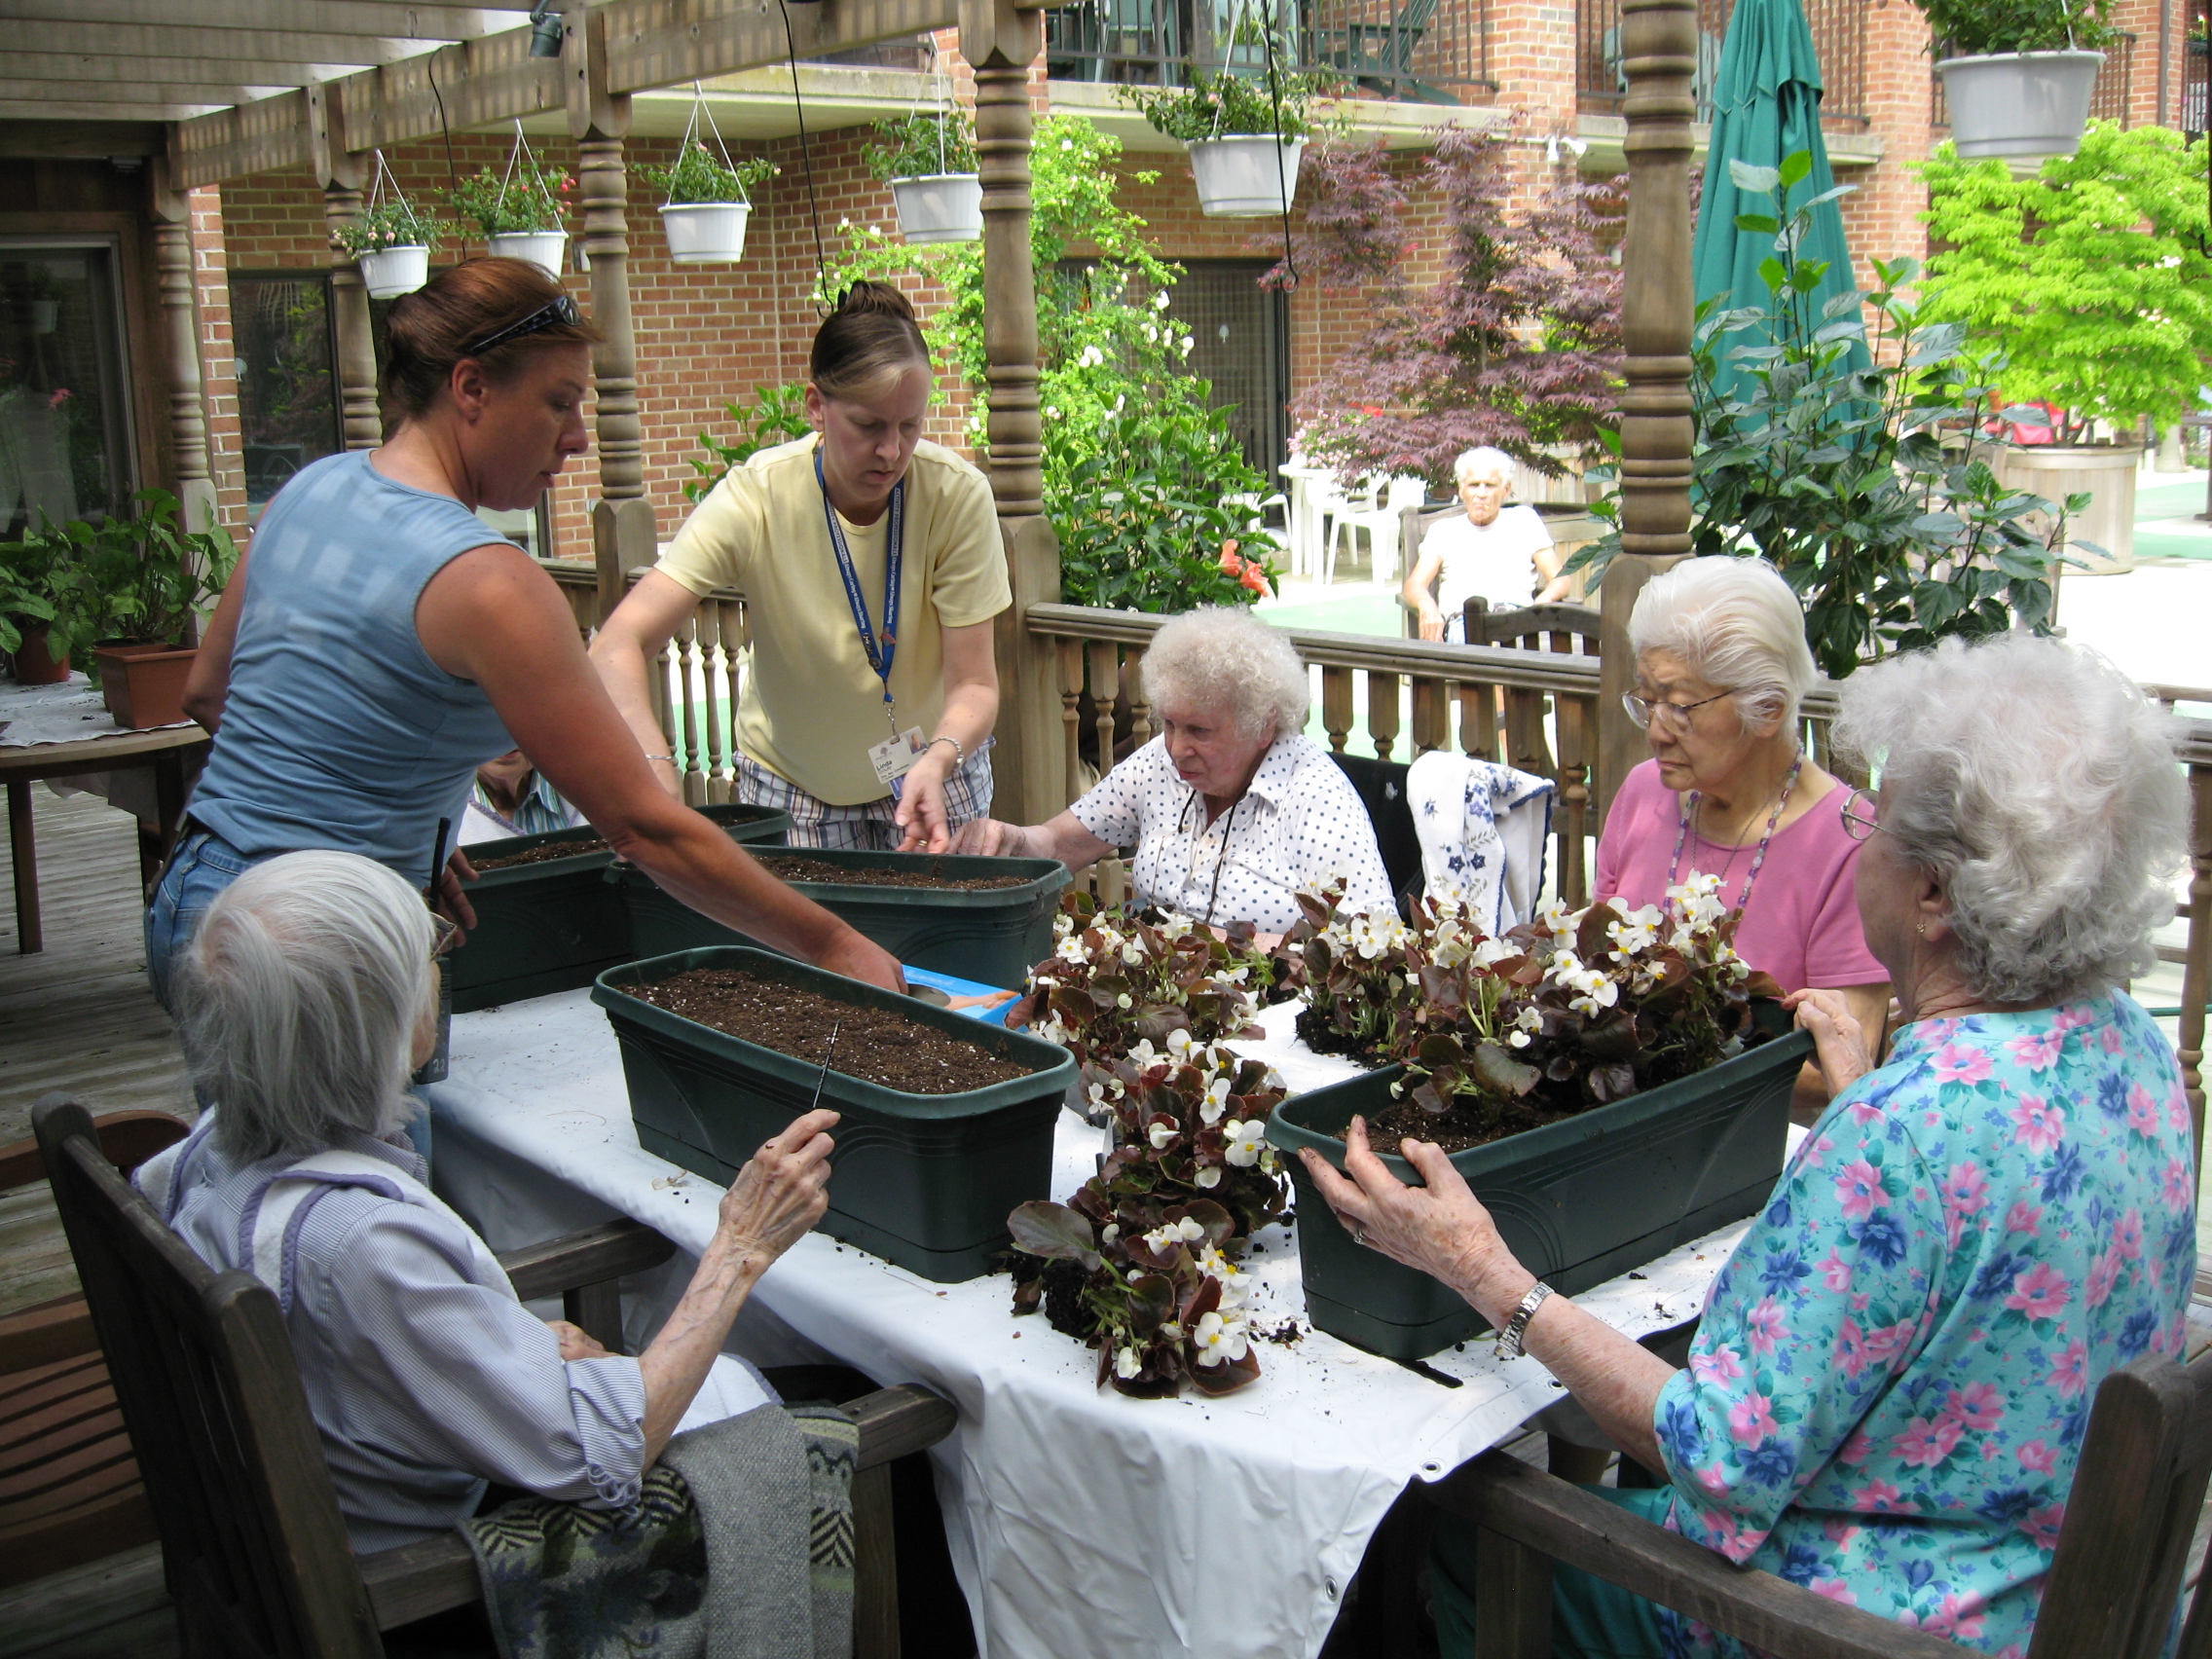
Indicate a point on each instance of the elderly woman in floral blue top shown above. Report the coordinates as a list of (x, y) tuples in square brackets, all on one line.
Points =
[(1888, 1392)]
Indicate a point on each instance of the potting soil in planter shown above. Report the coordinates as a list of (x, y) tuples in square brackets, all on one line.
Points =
[(547, 919), (983, 919), (923, 1178), (1578, 1201)]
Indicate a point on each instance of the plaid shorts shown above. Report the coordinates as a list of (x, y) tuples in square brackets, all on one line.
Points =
[(868, 827)]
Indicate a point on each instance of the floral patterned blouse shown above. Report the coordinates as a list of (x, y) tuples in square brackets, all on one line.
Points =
[(1887, 1394)]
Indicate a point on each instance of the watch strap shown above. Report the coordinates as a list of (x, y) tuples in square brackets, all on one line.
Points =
[(1509, 1339)]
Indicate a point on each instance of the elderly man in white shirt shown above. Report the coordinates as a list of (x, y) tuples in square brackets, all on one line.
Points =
[(1503, 553), (1232, 808)]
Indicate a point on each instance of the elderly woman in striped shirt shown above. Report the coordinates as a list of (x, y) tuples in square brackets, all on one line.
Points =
[(310, 993)]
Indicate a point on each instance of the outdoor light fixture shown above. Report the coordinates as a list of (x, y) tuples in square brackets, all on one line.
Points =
[(546, 30)]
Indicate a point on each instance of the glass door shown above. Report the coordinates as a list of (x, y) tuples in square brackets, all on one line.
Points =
[(64, 403)]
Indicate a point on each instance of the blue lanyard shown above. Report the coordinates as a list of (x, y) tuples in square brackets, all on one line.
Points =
[(880, 657)]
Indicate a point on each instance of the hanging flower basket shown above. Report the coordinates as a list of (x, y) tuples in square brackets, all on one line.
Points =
[(704, 232), (1245, 175), (2019, 103), (390, 271), (940, 207), (545, 249)]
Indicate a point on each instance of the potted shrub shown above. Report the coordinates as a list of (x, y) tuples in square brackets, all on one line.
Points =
[(26, 608), (929, 161), (519, 211), (2017, 74), (1245, 141), (948, 1121), (391, 242), (133, 590), (1606, 1081), (706, 202), (2092, 277)]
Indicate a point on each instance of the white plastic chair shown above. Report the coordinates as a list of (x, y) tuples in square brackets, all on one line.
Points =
[(1380, 522)]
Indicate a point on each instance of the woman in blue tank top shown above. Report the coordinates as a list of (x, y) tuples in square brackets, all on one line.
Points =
[(378, 643)]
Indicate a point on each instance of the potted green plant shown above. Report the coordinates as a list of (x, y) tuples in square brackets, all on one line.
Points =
[(130, 591), (707, 201), (1245, 137), (2017, 74), (26, 607), (2093, 276), (391, 242), (519, 211), (929, 161)]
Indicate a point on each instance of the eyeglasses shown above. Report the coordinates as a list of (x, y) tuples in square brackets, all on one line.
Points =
[(560, 311), (1678, 714), (1859, 815), (444, 930)]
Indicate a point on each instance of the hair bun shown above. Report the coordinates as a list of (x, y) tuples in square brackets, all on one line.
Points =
[(875, 299)]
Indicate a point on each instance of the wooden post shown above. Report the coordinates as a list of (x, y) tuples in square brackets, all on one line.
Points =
[(1659, 41), (623, 534), (1002, 40), (180, 337), (342, 175), (2197, 970)]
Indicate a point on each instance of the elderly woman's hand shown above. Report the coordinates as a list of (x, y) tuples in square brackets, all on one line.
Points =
[(989, 839), (1441, 1228), (1839, 1042), (781, 1191), (575, 1341)]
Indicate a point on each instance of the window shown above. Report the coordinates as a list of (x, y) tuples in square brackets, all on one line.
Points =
[(1241, 341), (65, 405), (287, 391)]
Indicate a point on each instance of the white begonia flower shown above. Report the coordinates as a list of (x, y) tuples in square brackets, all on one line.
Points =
[(1171, 1329), (1063, 925), (845, 224), (1216, 1101), (1109, 1233), (1124, 1001), (1169, 1234), (1127, 1363), (1208, 1177), (1159, 300), (1179, 1043), (1070, 949), (1493, 951), (1529, 1019), (1242, 1143), (1273, 1080), (1630, 939), (1517, 1039), (1160, 1134), (1220, 1339), (1143, 1055), (1067, 143), (1132, 952)]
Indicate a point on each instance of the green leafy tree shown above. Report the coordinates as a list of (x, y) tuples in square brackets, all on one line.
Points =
[(1150, 493), (1968, 28), (2092, 275), (1854, 476)]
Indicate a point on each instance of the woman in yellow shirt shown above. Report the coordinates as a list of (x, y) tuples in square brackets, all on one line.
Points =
[(871, 567)]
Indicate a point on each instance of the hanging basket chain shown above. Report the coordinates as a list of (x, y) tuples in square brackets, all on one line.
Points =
[(807, 156), (699, 107), (522, 152)]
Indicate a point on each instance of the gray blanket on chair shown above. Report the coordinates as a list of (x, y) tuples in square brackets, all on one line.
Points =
[(740, 1546)]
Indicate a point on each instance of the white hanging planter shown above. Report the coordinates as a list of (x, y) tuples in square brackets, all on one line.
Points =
[(940, 207), (1246, 175), (704, 232), (2019, 103), (544, 249), (46, 315), (390, 271)]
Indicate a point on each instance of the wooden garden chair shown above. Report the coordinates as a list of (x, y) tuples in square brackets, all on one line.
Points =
[(254, 1547), (2123, 1553), (69, 1487)]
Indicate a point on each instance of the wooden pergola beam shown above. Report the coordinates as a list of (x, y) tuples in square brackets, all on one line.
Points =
[(381, 19), (68, 69), (30, 100), (196, 43), (45, 113), (663, 43), (478, 83), (265, 136)]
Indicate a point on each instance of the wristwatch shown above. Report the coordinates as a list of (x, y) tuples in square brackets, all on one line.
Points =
[(1516, 1327)]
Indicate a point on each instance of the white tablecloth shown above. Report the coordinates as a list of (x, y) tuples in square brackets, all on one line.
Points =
[(1081, 1523), (70, 711)]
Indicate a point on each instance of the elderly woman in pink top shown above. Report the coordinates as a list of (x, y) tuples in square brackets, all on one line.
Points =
[(1720, 666)]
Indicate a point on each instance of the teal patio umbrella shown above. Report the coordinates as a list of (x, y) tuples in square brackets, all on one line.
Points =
[(1767, 106)]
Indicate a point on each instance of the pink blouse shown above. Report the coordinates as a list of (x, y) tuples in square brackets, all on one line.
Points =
[(1802, 923)]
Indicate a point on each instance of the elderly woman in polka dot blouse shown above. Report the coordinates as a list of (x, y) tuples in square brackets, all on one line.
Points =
[(1233, 809)]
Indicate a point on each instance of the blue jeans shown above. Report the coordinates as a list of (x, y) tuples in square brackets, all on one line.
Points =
[(204, 866)]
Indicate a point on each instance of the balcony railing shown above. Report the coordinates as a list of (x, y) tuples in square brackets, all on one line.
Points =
[(2115, 86), (2194, 65), (1839, 37), (1410, 50)]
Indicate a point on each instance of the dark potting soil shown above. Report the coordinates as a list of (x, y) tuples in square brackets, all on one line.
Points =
[(539, 855), (814, 869), (878, 1045), (1473, 1120)]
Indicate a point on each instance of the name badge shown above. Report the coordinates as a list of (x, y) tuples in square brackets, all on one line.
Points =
[(895, 757)]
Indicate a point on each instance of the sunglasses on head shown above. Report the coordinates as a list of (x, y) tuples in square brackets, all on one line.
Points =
[(551, 315)]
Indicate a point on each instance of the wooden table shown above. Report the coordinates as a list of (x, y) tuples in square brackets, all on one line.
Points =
[(164, 750)]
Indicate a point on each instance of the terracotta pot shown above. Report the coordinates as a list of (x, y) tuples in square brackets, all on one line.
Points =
[(144, 685), (35, 665)]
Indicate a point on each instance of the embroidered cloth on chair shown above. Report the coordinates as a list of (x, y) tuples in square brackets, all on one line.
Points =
[(1483, 829), (751, 1557)]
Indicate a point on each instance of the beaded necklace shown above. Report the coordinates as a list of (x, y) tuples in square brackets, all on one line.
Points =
[(1681, 833)]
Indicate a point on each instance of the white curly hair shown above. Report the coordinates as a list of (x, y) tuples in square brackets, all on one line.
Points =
[(2037, 785), (1229, 663)]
